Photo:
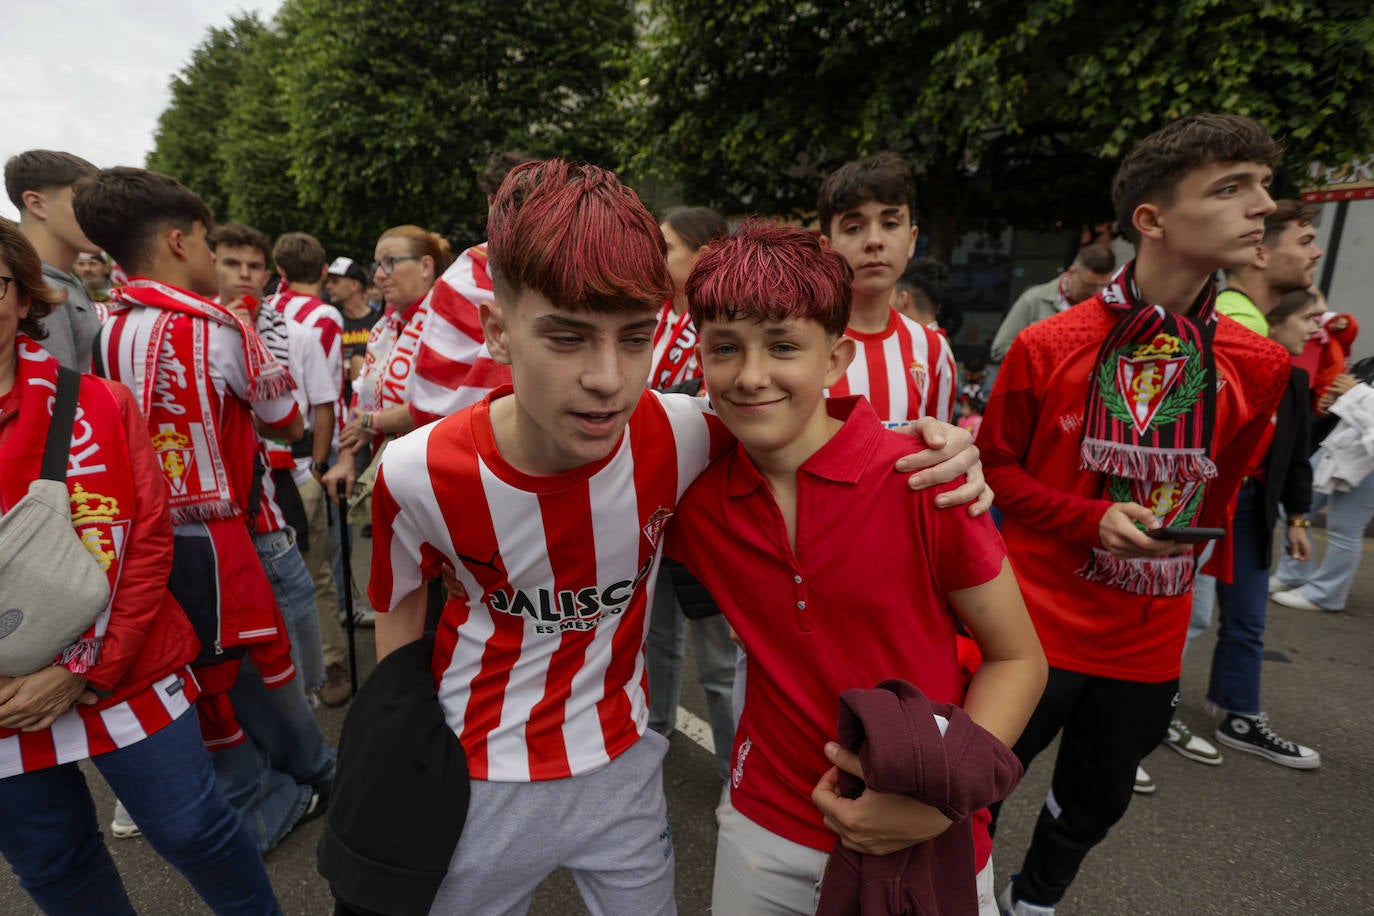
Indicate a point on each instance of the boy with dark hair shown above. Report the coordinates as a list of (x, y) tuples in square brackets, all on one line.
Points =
[(772, 305), (1134, 410), (548, 500), (39, 184), (1287, 261), (921, 291), (205, 379), (905, 370), (301, 266)]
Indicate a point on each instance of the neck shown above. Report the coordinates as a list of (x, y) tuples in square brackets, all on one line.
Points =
[(779, 466), (1251, 282), (356, 307), (306, 289), (170, 271), (50, 248), (870, 313), (1168, 281)]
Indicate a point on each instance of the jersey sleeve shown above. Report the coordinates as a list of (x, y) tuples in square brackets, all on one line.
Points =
[(699, 434), (397, 564), (967, 551), (310, 367), (226, 357), (944, 382)]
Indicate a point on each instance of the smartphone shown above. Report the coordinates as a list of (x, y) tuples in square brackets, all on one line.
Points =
[(1187, 535)]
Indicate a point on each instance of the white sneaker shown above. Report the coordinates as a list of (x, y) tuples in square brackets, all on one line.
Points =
[(1278, 585), (1008, 907), (1181, 738), (1294, 598), (1144, 785), (123, 826)]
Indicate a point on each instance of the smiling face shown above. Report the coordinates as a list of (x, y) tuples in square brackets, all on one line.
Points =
[(767, 382), (877, 240), (578, 376), (1215, 218)]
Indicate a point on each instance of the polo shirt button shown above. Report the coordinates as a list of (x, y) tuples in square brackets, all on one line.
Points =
[(797, 579), (801, 605)]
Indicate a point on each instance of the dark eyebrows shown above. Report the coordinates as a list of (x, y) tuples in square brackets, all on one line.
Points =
[(553, 321)]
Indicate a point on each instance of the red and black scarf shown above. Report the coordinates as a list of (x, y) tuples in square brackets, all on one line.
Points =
[(1148, 423)]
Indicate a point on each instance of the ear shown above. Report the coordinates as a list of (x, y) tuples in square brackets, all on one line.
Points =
[(493, 320), (825, 240), (427, 266), (1261, 257), (281, 274), (1148, 219), (842, 353), (915, 233), (35, 202), (174, 240), (324, 273)]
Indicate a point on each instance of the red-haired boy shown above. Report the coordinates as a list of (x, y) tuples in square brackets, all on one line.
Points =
[(549, 499), (832, 574)]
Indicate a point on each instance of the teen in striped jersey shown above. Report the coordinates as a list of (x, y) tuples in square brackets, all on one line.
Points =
[(548, 500), (905, 370)]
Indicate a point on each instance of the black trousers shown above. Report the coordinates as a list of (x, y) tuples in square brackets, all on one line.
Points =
[(1108, 726)]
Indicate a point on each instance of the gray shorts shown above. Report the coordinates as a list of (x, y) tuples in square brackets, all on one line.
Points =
[(608, 827)]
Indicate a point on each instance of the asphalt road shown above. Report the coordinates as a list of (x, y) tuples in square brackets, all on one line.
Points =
[(1245, 837)]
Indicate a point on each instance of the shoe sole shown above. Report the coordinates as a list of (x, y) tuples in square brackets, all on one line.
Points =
[(125, 833), (1198, 758), (1149, 789), (1293, 763)]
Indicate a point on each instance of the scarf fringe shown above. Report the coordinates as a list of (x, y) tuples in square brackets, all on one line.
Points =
[(82, 655), (1167, 576), (1123, 459), (204, 512), (269, 385)]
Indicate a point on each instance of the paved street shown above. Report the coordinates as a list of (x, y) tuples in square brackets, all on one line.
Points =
[(1245, 837)]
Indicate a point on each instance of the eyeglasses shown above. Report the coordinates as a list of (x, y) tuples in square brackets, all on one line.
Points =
[(387, 265), (5, 286)]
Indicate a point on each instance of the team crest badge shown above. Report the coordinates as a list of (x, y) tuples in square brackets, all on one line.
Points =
[(175, 455), (918, 374), (653, 529), (1152, 384), (95, 519), (1172, 502)]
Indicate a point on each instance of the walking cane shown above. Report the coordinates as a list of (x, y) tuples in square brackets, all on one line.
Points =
[(346, 548)]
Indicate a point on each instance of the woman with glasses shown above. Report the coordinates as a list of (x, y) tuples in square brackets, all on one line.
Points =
[(407, 261), (121, 696)]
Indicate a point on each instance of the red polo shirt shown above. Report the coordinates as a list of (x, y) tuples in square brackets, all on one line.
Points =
[(861, 599)]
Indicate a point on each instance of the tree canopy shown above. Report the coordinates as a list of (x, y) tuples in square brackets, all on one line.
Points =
[(346, 116)]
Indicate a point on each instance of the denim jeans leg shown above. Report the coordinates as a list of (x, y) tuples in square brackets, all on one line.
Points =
[(1242, 605), (1293, 572), (281, 722), (50, 837), (1347, 516), (715, 653), (1204, 600), (167, 783), (663, 655), (295, 593)]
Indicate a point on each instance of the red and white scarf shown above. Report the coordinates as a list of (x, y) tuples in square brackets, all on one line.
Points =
[(675, 344), (391, 349), (99, 477), (179, 400)]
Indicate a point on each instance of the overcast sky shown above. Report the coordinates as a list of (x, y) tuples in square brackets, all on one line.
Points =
[(92, 76)]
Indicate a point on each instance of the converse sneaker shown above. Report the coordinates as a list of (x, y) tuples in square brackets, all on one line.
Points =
[(1180, 738), (123, 826), (1253, 735), (1008, 907), (1144, 785)]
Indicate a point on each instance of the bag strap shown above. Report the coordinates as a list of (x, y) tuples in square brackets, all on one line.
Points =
[(58, 445)]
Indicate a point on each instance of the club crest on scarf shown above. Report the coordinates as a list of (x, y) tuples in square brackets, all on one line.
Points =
[(1148, 425), (176, 455), (96, 521)]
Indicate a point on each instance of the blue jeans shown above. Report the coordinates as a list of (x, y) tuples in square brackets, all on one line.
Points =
[(50, 836), (1242, 605), (270, 777), (295, 592), (1347, 516), (715, 653)]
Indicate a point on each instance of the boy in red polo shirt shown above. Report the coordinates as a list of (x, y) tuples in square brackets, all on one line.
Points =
[(796, 532)]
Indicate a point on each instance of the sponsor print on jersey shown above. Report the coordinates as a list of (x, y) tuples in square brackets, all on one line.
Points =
[(568, 610)]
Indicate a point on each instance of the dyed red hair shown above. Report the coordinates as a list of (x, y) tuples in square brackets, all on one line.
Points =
[(770, 273), (577, 236)]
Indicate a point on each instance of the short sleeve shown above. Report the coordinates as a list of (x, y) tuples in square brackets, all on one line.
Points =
[(968, 551)]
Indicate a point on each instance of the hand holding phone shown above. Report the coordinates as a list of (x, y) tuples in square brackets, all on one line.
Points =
[(1186, 535)]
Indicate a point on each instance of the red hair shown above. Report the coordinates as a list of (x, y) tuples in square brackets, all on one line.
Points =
[(770, 273), (577, 236)]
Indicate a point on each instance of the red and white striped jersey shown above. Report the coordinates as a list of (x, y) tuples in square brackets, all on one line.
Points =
[(905, 370), (541, 670), (452, 336), (81, 733), (317, 315)]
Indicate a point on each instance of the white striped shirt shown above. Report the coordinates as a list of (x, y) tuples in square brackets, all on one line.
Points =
[(906, 371)]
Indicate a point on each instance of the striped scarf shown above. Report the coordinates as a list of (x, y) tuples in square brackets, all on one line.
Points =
[(1148, 424)]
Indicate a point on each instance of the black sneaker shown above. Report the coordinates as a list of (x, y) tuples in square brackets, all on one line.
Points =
[(1253, 735)]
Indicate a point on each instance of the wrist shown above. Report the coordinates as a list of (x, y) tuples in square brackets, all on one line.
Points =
[(1299, 522), (319, 467)]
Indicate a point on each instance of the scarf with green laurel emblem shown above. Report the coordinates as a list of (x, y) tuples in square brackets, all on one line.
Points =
[(1148, 424)]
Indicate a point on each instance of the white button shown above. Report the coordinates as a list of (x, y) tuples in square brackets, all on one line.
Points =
[(797, 579), (801, 605)]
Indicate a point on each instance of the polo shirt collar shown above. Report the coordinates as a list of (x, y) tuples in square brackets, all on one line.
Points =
[(841, 460)]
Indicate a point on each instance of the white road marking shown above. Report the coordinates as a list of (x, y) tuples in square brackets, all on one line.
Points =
[(697, 729)]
